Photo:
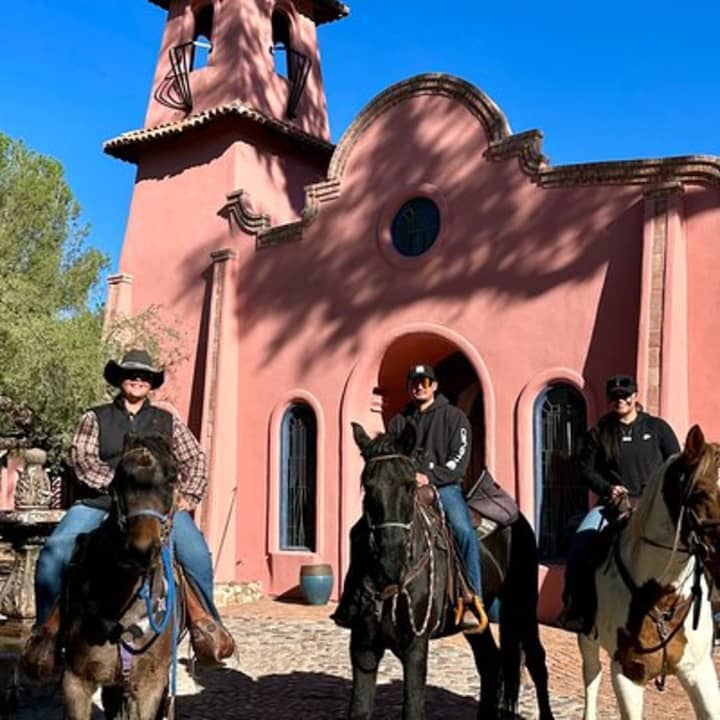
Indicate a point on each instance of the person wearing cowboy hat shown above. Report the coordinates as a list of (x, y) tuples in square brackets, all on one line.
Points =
[(94, 454)]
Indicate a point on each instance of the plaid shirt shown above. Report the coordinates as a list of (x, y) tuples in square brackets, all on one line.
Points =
[(90, 469)]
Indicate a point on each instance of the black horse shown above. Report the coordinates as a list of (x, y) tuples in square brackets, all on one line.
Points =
[(118, 608), (407, 581)]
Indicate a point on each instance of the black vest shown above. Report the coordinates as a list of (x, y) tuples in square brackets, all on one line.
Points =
[(115, 421)]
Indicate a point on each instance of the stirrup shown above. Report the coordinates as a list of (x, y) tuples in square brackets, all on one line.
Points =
[(471, 618)]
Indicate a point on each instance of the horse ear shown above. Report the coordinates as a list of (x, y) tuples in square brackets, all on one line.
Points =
[(694, 444), (408, 438), (362, 439), (129, 441)]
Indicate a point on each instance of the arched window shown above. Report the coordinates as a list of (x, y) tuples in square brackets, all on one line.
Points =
[(202, 37), (298, 463), (281, 43), (561, 500)]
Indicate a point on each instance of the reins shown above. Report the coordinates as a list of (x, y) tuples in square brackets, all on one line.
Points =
[(394, 591), (167, 552)]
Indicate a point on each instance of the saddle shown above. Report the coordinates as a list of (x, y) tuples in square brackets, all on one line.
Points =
[(490, 506)]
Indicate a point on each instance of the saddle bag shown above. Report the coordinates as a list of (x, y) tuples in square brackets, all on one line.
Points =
[(486, 499)]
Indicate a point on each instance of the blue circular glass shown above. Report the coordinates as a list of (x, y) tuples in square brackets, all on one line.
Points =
[(416, 227)]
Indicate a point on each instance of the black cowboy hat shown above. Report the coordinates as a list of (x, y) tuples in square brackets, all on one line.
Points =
[(134, 361), (417, 372)]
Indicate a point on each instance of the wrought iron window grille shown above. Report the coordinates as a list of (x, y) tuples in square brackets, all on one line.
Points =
[(560, 424), (298, 69), (298, 511), (174, 90)]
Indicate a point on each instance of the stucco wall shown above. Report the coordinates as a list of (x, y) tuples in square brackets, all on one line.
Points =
[(531, 278), (702, 231)]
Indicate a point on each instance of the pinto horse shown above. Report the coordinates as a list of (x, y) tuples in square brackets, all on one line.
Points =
[(654, 615), (407, 577), (119, 613)]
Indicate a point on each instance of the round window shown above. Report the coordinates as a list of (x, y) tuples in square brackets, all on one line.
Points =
[(416, 226)]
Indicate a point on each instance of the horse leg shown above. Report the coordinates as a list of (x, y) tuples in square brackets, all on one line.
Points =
[(112, 700), (701, 686), (487, 662), (414, 661), (629, 695), (365, 660), (537, 667), (77, 694), (592, 672), (148, 702)]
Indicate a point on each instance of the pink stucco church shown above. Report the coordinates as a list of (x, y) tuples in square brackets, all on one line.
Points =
[(309, 276)]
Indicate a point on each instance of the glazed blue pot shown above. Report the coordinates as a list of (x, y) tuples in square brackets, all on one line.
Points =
[(316, 583)]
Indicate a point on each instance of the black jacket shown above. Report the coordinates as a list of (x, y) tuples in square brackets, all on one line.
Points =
[(642, 447), (442, 451)]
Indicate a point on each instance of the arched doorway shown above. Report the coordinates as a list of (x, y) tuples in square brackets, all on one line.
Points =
[(457, 380)]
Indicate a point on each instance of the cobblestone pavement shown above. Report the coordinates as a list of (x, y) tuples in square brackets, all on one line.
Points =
[(293, 662)]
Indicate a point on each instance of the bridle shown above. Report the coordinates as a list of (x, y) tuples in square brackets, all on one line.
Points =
[(696, 547), (394, 590), (407, 527)]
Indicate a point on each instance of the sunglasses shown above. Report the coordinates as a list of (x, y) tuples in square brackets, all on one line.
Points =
[(138, 375), (425, 382), (620, 395)]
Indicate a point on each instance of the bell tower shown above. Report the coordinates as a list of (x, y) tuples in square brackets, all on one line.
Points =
[(236, 110), (262, 54)]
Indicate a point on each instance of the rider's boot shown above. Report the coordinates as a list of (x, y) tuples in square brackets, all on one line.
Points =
[(211, 641), (39, 659)]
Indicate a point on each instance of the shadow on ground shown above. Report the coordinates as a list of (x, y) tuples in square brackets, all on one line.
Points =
[(228, 693)]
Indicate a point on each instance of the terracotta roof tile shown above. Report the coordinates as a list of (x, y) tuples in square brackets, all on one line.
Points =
[(128, 145)]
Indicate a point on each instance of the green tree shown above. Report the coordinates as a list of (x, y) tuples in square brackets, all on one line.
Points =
[(50, 331), (53, 346)]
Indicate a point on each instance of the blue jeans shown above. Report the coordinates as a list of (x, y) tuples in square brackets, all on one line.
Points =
[(458, 515), (579, 570), (191, 551)]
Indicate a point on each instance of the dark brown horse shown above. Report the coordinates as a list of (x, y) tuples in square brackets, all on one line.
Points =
[(119, 610), (406, 584)]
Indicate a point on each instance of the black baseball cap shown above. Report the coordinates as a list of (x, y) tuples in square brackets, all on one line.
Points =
[(417, 372), (620, 386)]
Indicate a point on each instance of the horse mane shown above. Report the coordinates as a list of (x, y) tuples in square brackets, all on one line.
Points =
[(639, 519)]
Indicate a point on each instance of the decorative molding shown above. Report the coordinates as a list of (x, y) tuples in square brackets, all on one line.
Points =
[(120, 279), (236, 208), (129, 145), (259, 225), (664, 172), (526, 146), (480, 105)]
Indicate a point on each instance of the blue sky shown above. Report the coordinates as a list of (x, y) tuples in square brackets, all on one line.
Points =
[(602, 81)]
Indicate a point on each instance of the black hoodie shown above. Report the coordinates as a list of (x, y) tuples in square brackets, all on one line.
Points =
[(642, 446), (442, 451)]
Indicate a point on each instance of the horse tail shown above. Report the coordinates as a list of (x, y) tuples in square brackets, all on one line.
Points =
[(518, 607)]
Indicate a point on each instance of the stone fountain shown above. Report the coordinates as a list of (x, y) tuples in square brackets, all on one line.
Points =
[(26, 527)]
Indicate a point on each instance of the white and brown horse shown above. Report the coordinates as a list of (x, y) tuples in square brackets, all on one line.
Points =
[(654, 616)]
